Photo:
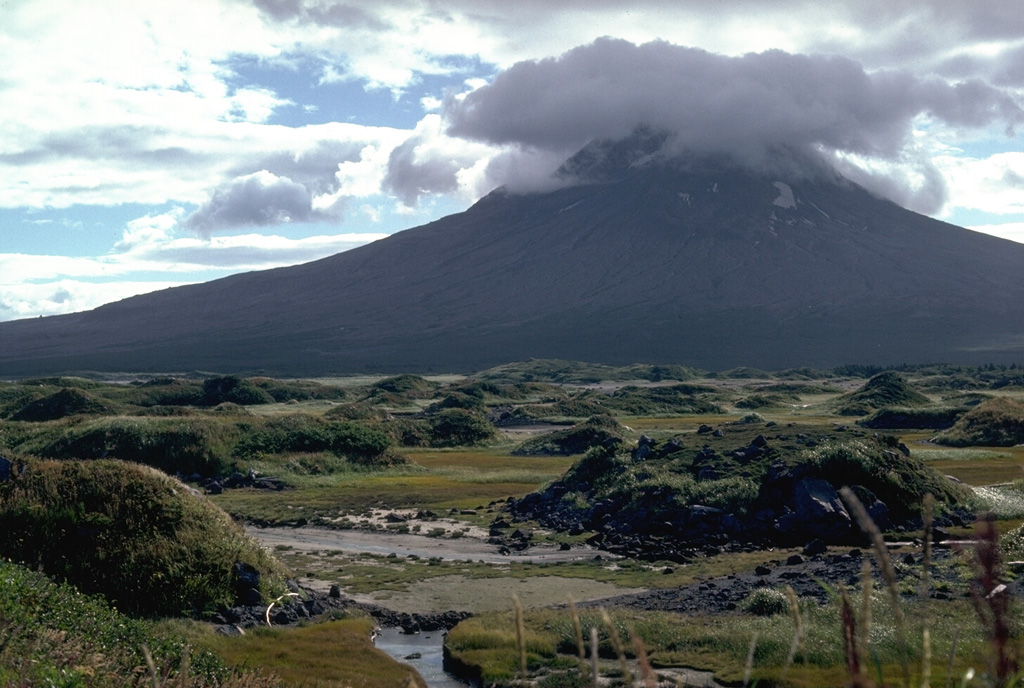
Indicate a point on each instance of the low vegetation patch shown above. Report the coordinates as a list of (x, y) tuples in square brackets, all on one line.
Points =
[(53, 635), (995, 423), (333, 654), (183, 445), (938, 418), (69, 401), (133, 535), (594, 432), (887, 389)]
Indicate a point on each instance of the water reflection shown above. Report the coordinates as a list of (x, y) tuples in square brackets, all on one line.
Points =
[(430, 661)]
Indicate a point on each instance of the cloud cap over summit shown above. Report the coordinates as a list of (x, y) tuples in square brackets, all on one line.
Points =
[(745, 107)]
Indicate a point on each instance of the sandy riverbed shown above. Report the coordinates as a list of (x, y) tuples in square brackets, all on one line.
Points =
[(455, 592)]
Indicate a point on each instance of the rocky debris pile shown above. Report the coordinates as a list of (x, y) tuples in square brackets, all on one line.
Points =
[(780, 490), (805, 573), (250, 478), (304, 604)]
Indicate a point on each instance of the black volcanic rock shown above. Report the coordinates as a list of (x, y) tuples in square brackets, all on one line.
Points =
[(656, 260)]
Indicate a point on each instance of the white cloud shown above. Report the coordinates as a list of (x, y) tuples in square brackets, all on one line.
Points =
[(1014, 231), (430, 162), (29, 300), (994, 184)]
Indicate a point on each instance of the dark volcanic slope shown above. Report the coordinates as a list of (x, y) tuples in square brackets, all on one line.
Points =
[(712, 267)]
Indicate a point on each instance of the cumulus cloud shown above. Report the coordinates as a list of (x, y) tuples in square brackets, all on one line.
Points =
[(255, 200), (713, 102), (430, 162), (746, 107)]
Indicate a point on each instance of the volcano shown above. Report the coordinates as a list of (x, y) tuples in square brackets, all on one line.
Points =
[(643, 257)]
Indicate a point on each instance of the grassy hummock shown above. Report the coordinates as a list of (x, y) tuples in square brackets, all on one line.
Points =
[(141, 539), (995, 423), (53, 635)]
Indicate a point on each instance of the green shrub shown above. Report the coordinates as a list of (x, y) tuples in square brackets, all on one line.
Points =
[(596, 431), (174, 445), (406, 385), (898, 480), (236, 390), (902, 418), (882, 390), (682, 398), (166, 392), (766, 602), (456, 427), (125, 531), (311, 434), (53, 635), (457, 400), (67, 402), (995, 423)]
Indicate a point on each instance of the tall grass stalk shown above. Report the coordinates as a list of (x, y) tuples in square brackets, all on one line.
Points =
[(926, 564), (798, 630), (620, 650), (520, 635), (851, 645), (864, 624), (646, 672), (991, 600), (870, 528), (594, 669), (749, 667), (577, 629), (952, 656)]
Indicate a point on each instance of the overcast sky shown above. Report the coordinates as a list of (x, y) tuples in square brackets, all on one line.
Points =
[(147, 144)]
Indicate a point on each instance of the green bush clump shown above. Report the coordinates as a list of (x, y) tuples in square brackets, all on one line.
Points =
[(130, 533), (69, 401), (217, 390), (402, 386), (456, 427), (311, 434), (766, 602), (763, 401), (297, 390), (882, 390), (684, 398), (898, 480), (174, 445), (995, 423), (356, 411), (461, 400), (595, 431), (166, 391), (56, 636), (902, 418)]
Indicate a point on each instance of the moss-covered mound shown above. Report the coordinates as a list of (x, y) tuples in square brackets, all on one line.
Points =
[(56, 636), (766, 400), (173, 444), (393, 390), (685, 398), (132, 534), (596, 431), (903, 418), (883, 390), (740, 487), (556, 370), (995, 423), (69, 401)]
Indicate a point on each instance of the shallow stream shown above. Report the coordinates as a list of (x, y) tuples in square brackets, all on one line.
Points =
[(429, 646)]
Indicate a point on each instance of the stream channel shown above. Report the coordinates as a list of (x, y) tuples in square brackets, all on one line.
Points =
[(428, 645)]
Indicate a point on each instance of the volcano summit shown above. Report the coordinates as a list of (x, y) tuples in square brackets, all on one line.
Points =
[(642, 258)]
